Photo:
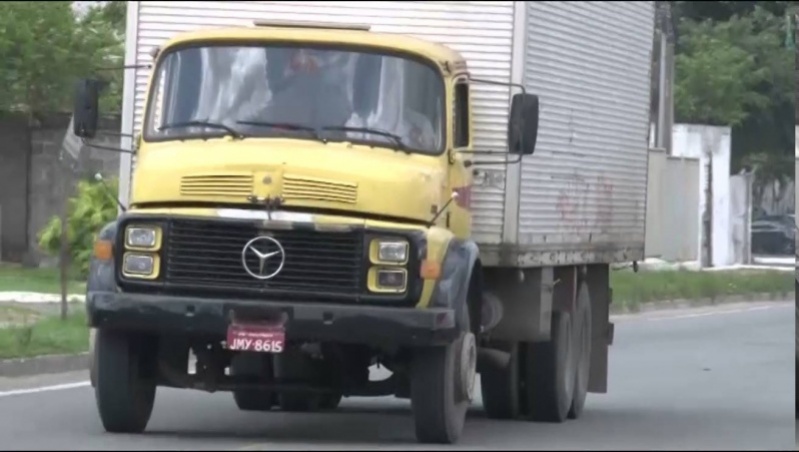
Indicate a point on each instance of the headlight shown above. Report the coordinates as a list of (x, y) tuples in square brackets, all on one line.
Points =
[(139, 265), (142, 237), (388, 280), (389, 251)]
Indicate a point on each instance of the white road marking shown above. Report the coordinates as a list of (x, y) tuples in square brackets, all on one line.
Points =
[(62, 387), (660, 317), (714, 313)]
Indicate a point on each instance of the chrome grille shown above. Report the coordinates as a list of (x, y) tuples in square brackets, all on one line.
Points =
[(201, 253)]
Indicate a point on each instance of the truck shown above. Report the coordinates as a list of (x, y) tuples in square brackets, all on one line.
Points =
[(318, 188)]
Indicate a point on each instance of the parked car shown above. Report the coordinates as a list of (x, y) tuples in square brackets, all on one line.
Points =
[(774, 234)]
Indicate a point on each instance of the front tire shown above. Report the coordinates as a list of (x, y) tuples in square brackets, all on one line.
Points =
[(442, 386), (125, 381), (439, 411)]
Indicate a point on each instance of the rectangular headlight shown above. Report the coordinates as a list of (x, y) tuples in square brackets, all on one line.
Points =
[(390, 251), (142, 237), (139, 265), (388, 280)]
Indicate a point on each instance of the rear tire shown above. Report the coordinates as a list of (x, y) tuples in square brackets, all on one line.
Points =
[(294, 366), (552, 372), (500, 387), (330, 402), (260, 367), (125, 381), (582, 352)]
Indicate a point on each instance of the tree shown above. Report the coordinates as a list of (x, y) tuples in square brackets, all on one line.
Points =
[(45, 48), (716, 79), (734, 67)]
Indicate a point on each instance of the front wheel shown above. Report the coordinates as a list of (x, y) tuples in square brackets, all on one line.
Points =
[(125, 381), (442, 388)]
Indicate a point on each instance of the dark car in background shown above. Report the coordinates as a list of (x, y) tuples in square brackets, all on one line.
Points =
[(774, 234)]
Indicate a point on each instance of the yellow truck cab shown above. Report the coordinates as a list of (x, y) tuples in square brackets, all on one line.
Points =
[(307, 202)]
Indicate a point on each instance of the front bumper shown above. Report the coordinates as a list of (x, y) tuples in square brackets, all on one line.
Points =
[(174, 315)]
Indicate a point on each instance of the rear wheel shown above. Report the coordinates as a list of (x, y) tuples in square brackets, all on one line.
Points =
[(582, 352), (551, 367), (125, 383), (500, 386), (296, 367), (257, 367)]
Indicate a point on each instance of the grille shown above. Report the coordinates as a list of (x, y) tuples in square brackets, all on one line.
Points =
[(203, 253), (219, 185), (308, 189)]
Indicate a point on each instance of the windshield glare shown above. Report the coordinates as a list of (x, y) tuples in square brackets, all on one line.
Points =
[(287, 91)]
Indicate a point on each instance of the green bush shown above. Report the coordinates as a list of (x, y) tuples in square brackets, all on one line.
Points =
[(93, 207)]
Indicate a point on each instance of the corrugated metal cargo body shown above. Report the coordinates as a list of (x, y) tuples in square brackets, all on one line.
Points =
[(582, 197)]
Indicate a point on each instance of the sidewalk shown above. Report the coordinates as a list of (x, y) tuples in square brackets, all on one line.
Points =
[(36, 298)]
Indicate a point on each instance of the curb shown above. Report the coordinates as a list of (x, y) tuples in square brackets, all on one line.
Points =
[(52, 364), (666, 305), (69, 363)]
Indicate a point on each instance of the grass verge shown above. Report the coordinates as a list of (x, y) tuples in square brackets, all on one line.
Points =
[(15, 278), (35, 332), (632, 289), (48, 335)]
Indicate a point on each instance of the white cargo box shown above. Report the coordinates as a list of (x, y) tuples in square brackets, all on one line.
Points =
[(581, 197)]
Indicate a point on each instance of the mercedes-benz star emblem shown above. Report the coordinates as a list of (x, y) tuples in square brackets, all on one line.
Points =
[(264, 248)]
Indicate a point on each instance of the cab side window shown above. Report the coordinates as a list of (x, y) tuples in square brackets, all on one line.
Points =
[(461, 116)]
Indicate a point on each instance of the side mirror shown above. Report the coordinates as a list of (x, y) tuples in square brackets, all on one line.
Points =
[(523, 124), (85, 113)]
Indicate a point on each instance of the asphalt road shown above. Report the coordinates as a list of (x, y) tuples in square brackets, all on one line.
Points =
[(720, 378)]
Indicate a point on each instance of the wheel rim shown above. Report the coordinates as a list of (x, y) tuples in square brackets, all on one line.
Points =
[(571, 362), (585, 346), (468, 371)]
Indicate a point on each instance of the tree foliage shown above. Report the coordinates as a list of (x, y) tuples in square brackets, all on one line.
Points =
[(735, 66), (45, 47), (90, 209)]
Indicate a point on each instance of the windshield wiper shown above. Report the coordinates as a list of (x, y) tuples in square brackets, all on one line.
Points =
[(400, 144), (283, 125), (211, 125)]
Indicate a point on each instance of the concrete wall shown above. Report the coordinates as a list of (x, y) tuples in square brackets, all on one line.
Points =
[(38, 162), (672, 226), (712, 146), (14, 189)]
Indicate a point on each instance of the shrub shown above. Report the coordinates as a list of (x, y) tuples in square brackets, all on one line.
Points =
[(90, 209)]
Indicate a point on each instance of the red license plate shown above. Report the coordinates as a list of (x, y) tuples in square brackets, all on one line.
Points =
[(256, 338)]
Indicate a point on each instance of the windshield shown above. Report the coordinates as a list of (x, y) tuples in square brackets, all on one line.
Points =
[(301, 92)]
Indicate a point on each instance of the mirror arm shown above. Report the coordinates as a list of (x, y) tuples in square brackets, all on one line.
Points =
[(106, 148), (117, 134), (507, 161), (496, 83), (129, 66)]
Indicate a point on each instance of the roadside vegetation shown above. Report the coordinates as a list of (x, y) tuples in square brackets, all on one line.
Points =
[(630, 289), (26, 332)]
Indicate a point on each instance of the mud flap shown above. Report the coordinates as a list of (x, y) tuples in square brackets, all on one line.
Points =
[(601, 298)]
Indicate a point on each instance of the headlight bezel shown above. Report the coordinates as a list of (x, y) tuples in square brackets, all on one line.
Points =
[(375, 245), (156, 266), (157, 237), (374, 280)]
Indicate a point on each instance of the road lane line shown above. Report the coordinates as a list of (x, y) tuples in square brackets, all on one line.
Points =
[(62, 387), (714, 313)]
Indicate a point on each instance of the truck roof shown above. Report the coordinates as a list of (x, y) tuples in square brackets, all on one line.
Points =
[(393, 42)]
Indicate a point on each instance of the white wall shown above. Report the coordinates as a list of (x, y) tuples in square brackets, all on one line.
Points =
[(710, 143)]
